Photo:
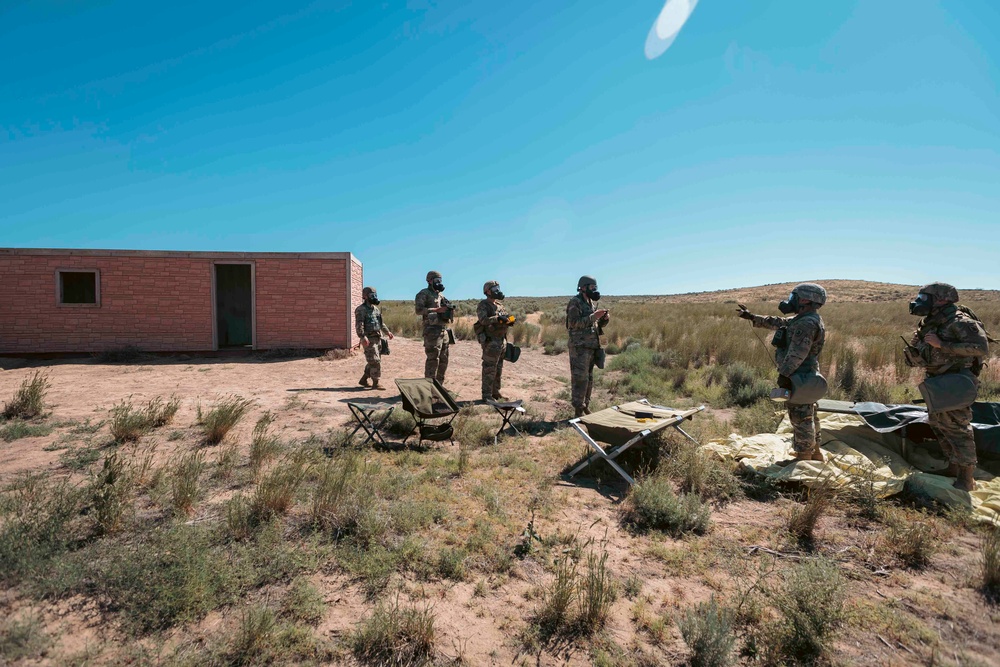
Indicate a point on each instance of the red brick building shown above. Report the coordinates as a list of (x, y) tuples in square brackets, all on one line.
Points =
[(97, 300)]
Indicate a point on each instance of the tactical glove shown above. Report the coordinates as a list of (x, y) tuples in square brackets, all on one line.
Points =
[(744, 313)]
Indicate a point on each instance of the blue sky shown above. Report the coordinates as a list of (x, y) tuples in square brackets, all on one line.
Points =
[(522, 141)]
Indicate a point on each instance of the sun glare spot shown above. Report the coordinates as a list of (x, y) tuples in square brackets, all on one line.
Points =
[(672, 18)]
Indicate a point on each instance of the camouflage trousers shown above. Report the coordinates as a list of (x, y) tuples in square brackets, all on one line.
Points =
[(373, 359), (805, 427), (436, 348), (581, 373), (493, 350), (953, 430)]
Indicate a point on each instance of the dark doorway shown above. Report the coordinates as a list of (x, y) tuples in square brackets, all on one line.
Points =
[(234, 305)]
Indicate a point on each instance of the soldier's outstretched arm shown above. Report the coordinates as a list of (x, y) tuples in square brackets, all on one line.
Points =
[(800, 340), (768, 322)]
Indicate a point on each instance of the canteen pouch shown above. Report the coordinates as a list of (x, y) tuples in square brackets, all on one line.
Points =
[(384, 347), (512, 353), (600, 356), (807, 388), (951, 391), (451, 336)]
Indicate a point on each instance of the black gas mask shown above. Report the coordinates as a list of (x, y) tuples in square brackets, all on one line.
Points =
[(373, 299), (922, 305), (592, 293), (495, 293), (437, 286), (791, 305)]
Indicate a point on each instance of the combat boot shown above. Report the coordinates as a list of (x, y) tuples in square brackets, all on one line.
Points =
[(363, 381), (376, 384), (817, 455), (580, 412), (586, 409), (964, 481), (497, 396)]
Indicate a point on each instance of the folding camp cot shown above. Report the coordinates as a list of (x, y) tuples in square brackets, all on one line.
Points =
[(506, 410), (622, 426), (363, 413), (426, 399)]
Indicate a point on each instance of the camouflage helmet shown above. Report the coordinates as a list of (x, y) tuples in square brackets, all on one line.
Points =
[(368, 291), (942, 291), (585, 280), (488, 284), (433, 275), (811, 292)]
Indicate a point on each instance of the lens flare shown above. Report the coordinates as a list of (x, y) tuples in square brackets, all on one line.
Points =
[(668, 25)]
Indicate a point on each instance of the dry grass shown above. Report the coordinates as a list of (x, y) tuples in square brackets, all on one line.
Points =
[(222, 417), (28, 402), (395, 636)]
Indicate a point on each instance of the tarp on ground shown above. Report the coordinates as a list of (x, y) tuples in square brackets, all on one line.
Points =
[(858, 454), (913, 418)]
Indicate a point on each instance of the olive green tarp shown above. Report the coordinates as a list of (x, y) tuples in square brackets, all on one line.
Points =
[(857, 454)]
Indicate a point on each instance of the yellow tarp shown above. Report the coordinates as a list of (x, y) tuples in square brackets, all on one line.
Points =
[(858, 454)]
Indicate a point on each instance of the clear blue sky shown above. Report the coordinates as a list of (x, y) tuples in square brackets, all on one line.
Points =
[(524, 141)]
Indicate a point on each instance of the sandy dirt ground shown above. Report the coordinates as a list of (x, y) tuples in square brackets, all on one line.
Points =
[(309, 396)]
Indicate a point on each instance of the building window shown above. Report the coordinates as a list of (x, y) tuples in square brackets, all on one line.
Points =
[(79, 287)]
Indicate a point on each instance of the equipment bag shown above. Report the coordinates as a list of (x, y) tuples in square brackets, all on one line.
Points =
[(951, 391), (384, 347), (600, 356), (511, 353), (807, 387)]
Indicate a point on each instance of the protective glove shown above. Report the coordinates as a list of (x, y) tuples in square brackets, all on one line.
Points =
[(744, 313)]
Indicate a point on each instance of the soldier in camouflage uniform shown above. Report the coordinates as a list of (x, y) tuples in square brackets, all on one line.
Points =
[(491, 330), (370, 328), (428, 304), (799, 341), (949, 339), (583, 323)]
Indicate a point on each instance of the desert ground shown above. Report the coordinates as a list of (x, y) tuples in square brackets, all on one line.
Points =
[(477, 539)]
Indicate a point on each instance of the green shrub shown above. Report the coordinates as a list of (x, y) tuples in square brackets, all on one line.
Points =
[(653, 505), (111, 494), (554, 614), (28, 401), (708, 631), (744, 386), (274, 494), (699, 472), (22, 638), (810, 605), (263, 445), (803, 518), (344, 501), (254, 636), (129, 423), (17, 429), (554, 347), (395, 636), (37, 526), (223, 416), (451, 564), (303, 602), (913, 542), (473, 432), (761, 417), (597, 593), (184, 483)]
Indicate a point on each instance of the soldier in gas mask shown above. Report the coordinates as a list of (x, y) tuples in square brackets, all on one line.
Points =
[(799, 340), (491, 331), (584, 324), (436, 312), (950, 344), (370, 328)]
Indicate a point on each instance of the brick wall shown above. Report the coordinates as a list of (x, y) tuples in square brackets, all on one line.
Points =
[(303, 303), (163, 302), (357, 284)]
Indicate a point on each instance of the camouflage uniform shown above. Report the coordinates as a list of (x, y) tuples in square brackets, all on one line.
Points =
[(963, 342), (584, 341), (368, 324), (805, 336), (435, 333), (492, 336)]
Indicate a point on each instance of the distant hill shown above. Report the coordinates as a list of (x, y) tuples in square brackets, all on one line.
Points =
[(841, 291)]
